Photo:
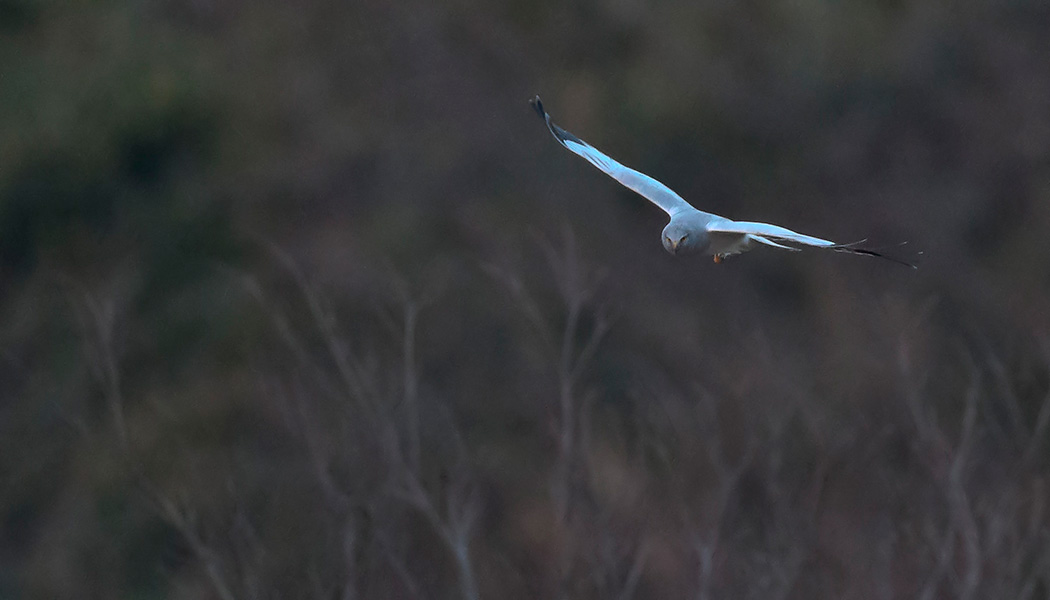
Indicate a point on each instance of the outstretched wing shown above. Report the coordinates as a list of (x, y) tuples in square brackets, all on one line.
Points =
[(770, 242), (774, 235), (651, 189), (773, 232)]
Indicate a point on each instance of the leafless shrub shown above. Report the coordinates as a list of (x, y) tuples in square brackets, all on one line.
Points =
[(747, 502), (569, 349), (386, 431)]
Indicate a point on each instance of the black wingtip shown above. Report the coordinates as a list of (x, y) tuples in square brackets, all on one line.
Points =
[(866, 252), (559, 134), (851, 244), (538, 107)]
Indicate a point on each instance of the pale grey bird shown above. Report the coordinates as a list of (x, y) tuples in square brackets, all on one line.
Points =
[(692, 231)]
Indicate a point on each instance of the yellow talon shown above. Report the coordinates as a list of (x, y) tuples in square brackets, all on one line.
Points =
[(718, 258)]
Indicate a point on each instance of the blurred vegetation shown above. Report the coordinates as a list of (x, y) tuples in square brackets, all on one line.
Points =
[(303, 301)]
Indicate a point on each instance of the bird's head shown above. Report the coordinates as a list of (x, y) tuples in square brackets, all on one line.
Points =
[(679, 239)]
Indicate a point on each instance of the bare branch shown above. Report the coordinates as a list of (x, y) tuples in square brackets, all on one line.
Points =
[(96, 319), (959, 501), (398, 564), (526, 303), (410, 382), (184, 520), (352, 377), (634, 575), (945, 551), (1042, 420)]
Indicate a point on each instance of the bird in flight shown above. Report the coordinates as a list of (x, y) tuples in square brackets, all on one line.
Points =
[(692, 231)]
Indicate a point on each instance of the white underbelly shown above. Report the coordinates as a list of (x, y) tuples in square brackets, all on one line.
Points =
[(727, 244)]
